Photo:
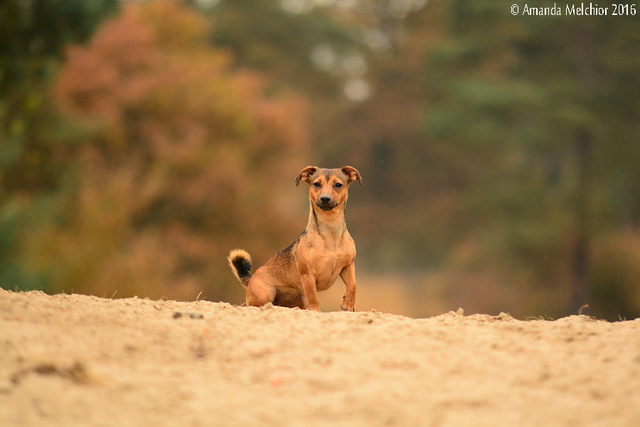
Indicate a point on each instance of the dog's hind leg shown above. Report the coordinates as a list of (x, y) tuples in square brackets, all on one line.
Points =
[(291, 300), (260, 293)]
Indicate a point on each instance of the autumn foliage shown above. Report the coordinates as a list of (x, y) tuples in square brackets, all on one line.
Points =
[(168, 178)]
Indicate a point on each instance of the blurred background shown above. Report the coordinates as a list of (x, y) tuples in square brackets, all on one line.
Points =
[(140, 141)]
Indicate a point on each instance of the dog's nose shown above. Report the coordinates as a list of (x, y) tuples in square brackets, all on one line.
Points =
[(325, 199)]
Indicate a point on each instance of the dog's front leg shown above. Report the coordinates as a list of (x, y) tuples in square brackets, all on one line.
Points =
[(348, 275), (311, 291)]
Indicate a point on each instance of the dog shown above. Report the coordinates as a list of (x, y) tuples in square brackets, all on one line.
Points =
[(324, 250)]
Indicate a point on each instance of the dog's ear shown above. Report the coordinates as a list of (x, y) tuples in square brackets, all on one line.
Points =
[(352, 174), (306, 174)]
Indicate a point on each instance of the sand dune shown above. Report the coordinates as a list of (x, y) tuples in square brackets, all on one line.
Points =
[(73, 360)]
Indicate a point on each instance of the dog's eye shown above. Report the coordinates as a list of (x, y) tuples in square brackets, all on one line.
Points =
[(317, 184), (337, 185)]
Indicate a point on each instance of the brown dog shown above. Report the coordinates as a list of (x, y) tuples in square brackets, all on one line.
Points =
[(324, 250)]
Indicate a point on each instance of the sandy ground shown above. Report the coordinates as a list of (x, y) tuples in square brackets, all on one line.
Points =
[(73, 360)]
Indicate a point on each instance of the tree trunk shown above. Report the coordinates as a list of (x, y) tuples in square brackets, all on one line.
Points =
[(580, 291), (584, 143)]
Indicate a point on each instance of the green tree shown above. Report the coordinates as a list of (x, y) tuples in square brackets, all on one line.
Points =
[(32, 37), (541, 110)]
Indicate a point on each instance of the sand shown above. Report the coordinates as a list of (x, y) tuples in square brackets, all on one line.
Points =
[(74, 360)]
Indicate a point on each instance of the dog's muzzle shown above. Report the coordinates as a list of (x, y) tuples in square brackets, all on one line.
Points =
[(326, 203)]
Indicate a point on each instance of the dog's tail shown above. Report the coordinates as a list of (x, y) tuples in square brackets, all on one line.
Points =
[(240, 262)]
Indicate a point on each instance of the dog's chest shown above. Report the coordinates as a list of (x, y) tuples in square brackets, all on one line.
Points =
[(329, 267), (326, 262)]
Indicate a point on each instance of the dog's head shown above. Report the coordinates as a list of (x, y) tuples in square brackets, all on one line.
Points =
[(328, 188)]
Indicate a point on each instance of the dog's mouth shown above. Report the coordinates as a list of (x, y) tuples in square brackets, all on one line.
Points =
[(326, 207)]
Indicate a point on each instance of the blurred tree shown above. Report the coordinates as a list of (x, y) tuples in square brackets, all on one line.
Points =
[(541, 111), (32, 37), (169, 180), (299, 47)]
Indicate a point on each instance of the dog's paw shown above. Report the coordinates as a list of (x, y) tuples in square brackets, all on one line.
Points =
[(348, 305)]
